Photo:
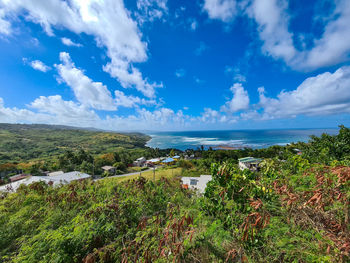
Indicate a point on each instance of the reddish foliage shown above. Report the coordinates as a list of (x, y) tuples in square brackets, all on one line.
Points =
[(312, 204)]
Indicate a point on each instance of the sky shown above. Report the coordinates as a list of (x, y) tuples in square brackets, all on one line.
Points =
[(166, 65)]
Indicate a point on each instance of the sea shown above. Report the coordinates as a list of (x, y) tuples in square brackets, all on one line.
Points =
[(255, 139)]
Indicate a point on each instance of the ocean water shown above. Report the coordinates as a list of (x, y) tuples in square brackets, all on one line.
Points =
[(238, 138)]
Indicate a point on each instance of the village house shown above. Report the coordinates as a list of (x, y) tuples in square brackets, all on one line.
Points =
[(196, 183), (109, 169), (55, 180), (250, 163), (18, 177), (140, 162)]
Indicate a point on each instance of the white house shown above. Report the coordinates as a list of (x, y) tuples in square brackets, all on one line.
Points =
[(196, 183), (64, 178), (250, 163), (109, 169), (140, 161)]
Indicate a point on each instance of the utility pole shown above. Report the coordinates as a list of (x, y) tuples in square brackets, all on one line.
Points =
[(154, 173), (93, 167)]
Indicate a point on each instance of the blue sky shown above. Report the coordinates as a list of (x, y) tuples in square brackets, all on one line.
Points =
[(175, 65)]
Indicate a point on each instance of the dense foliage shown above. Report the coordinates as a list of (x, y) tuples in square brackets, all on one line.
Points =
[(295, 209)]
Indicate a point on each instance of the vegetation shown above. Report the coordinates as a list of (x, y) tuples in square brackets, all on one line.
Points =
[(295, 209), (20, 142)]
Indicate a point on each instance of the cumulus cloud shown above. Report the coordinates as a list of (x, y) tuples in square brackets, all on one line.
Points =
[(68, 42), (239, 101), (332, 48), (38, 65), (51, 110), (108, 21), (66, 111), (55, 110), (224, 10), (272, 19), (89, 93), (326, 93), (129, 101)]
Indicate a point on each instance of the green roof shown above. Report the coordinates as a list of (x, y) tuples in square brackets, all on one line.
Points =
[(250, 160)]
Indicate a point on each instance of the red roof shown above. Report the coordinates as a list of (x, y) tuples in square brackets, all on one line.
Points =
[(18, 177)]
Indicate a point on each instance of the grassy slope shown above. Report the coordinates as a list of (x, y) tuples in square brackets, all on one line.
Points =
[(122, 220), (26, 142), (167, 173)]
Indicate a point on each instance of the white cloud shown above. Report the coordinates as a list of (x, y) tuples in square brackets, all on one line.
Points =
[(235, 71), (180, 73), (334, 45), (130, 101), (38, 65), (239, 101), (51, 110), (327, 93), (89, 93), (65, 111), (150, 10), (5, 26), (272, 19), (193, 24), (108, 21), (332, 48), (68, 42), (224, 10)]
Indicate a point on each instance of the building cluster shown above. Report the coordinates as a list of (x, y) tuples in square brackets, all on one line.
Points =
[(143, 162)]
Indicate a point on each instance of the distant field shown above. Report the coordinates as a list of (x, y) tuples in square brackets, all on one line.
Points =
[(20, 142), (166, 172)]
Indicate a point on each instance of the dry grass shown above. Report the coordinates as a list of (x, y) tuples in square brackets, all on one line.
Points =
[(164, 172)]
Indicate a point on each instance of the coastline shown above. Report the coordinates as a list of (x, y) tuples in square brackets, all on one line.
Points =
[(232, 139)]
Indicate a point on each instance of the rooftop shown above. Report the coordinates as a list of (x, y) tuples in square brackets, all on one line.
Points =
[(250, 160)]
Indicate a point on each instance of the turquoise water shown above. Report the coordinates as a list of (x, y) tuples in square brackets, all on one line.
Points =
[(237, 138)]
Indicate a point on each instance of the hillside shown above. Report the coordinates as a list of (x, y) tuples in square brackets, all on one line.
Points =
[(294, 209), (22, 142)]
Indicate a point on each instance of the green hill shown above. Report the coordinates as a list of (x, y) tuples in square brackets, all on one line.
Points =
[(22, 142)]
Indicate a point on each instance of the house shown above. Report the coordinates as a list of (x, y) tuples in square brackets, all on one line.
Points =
[(168, 161), (55, 173), (153, 162), (299, 152), (250, 163), (109, 169), (176, 157), (18, 177), (196, 183), (140, 162), (55, 180)]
